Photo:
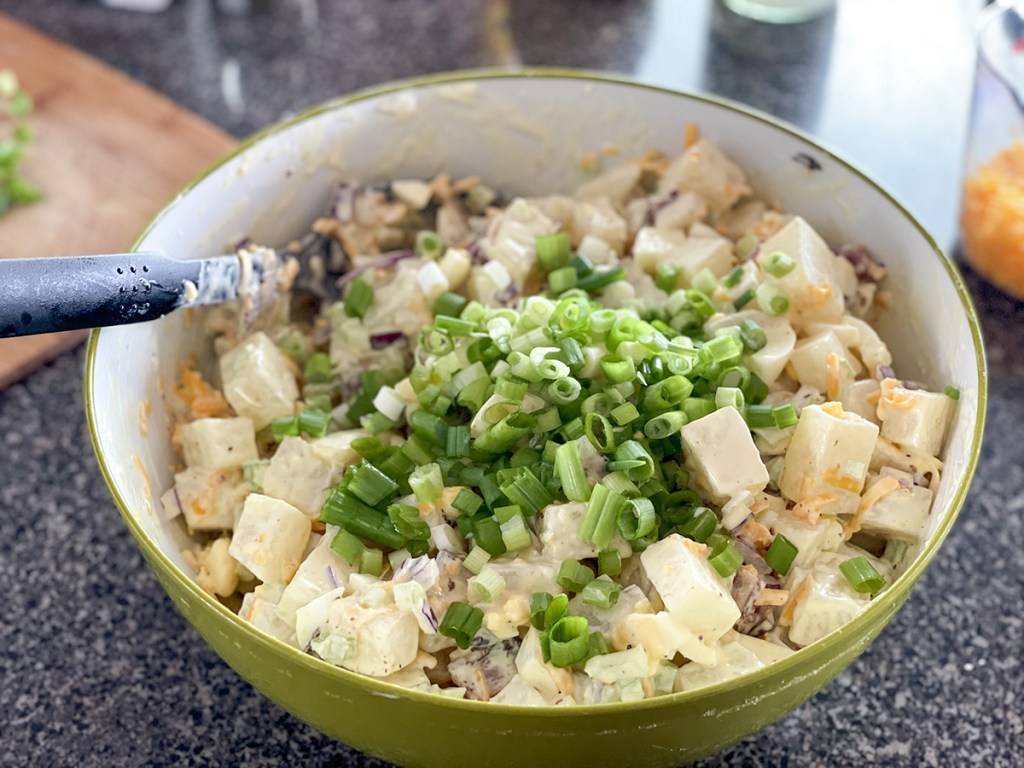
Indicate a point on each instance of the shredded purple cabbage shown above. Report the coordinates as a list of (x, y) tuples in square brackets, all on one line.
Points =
[(752, 557), (886, 372), (387, 260), (386, 339)]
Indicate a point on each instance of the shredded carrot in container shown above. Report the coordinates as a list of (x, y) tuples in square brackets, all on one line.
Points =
[(203, 400), (992, 220)]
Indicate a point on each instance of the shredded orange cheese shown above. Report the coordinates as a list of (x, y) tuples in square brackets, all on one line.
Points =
[(837, 479), (770, 596), (756, 533), (833, 376), (878, 489), (892, 395), (810, 508), (691, 133), (203, 400), (801, 593), (835, 409), (992, 220)]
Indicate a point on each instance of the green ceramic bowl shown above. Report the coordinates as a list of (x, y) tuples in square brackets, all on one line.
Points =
[(523, 132)]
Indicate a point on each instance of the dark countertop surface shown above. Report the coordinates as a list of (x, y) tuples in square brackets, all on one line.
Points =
[(98, 669)]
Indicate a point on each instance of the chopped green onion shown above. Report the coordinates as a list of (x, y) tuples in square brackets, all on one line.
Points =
[(725, 559), (624, 414), (700, 303), (601, 593), (426, 482), (527, 491), (704, 281), (785, 415), (407, 521), (487, 584), (569, 470), (358, 298), (597, 280), (609, 562), (345, 510), (428, 244), (371, 561), (467, 502), (461, 622), (574, 575), (631, 451), (597, 645), (744, 298), (284, 426), (636, 519), (562, 279), (726, 397), (511, 387), (701, 525), (599, 432), (753, 335), (665, 424), (545, 610), (601, 517), (318, 369), (760, 416), (618, 368), (667, 277), (457, 442), (553, 251), (733, 278), (862, 575), (564, 391), (952, 393), (515, 534), (476, 559), (487, 535), (449, 304), (778, 264), (569, 641), (665, 394), (781, 554), (771, 299), (697, 408), (370, 484), (347, 547)]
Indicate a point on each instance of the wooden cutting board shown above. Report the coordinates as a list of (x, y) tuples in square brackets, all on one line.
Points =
[(108, 153)]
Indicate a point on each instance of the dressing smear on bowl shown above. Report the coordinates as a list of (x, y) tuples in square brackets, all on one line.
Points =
[(578, 448)]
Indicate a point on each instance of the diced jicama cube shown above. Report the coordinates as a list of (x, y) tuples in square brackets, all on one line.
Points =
[(270, 538), (731, 661), (384, 639), (720, 451), (631, 600), (614, 184), (765, 650), (810, 355), (219, 443), (216, 570), (259, 608), (662, 635), (322, 571), (336, 448), (257, 380), (809, 538), (520, 693), (599, 219), (210, 499), (861, 398), (699, 253), (691, 589), (512, 238), (413, 192), (683, 212), (872, 350), (553, 683), (822, 602), (703, 168), (559, 532), (900, 514), (812, 286), (828, 458), (618, 667), (769, 361), (298, 475), (653, 245), (914, 417)]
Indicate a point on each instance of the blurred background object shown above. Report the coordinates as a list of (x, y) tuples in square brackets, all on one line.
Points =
[(780, 11)]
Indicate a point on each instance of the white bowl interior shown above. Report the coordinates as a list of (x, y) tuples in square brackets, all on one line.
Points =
[(522, 135)]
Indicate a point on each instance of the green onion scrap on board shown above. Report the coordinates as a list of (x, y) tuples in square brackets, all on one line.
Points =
[(15, 136)]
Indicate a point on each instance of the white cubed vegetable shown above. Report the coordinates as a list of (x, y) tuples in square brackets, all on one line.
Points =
[(518, 692), (553, 683), (765, 650), (298, 475), (313, 619), (700, 253), (270, 538), (398, 305), (861, 397), (257, 380), (219, 443), (600, 219), (259, 608), (432, 281), (720, 451), (914, 417), (413, 192), (652, 246), (828, 457), (813, 285), (872, 350), (823, 602), (662, 635), (614, 184), (769, 361), (559, 532), (810, 539), (690, 587), (336, 448), (619, 666), (455, 264), (210, 499), (684, 212), (703, 168), (323, 570), (597, 251), (900, 514), (384, 638), (447, 539), (511, 241), (631, 600), (587, 690), (216, 570), (731, 661), (809, 356)]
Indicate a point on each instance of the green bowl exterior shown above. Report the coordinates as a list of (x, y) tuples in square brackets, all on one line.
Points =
[(420, 729)]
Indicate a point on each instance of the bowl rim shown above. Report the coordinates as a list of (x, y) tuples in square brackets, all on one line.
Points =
[(890, 599)]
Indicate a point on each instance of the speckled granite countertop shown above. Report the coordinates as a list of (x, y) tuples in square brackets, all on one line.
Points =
[(97, 668)]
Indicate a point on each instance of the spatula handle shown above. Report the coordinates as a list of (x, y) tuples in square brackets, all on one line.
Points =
[(65, 293)]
